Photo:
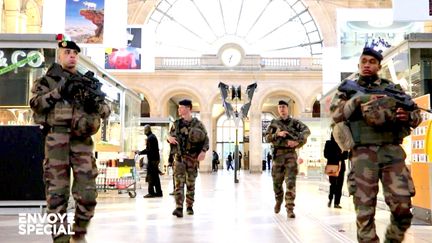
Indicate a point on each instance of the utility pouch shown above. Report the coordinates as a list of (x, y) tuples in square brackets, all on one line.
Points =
[(343, 136), (62, 111)]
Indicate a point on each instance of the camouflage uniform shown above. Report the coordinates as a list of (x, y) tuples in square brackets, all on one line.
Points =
[(377, 155), (67, 145), (285, 159), (192, 138)]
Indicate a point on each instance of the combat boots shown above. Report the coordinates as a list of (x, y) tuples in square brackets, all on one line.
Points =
[(79, 239), (290, 214), (62, 239), (178, 212), (277, 206), (189, 211)]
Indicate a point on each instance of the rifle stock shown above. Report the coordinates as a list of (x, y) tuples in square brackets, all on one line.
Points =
[(402, 99)]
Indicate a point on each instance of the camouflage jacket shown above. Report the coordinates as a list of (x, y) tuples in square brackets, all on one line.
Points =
[(47, 104), (297, 130), (181, 130), (346, 108)]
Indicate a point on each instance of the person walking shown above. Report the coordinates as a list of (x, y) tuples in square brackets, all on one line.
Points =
[(269, 158), (378, 125), (229, 162), (189, 139), (286, 134), (335, 156), (215, 161), (240, 156), (153, 160), (69, 120)]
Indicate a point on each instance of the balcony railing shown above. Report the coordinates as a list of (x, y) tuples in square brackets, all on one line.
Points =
[(249, 63)]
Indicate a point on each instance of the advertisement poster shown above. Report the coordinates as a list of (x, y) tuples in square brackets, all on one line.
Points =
[(355, 35), (421, 146), (126, 58), (358, 28), (85, 21)]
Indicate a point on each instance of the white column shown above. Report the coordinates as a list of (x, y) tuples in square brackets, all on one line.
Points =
[(330, 68), (33, 29), (255, 142), (2, 27), (22, 22), (205, 165), (12, 21)]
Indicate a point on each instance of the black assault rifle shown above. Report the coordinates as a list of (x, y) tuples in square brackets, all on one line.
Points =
[(90, 94), (403, 100), (292, 133)]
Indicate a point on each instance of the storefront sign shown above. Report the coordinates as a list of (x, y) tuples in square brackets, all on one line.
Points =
[(20, 58)]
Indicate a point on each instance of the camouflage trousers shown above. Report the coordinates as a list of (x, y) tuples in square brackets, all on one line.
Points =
[(285, 168), (63, 152), (386, 163), (185, 172)]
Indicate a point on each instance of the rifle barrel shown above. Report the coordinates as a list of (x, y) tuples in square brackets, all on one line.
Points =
[(424, 109)]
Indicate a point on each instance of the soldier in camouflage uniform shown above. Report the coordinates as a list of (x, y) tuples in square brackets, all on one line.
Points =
[(68, 142), (377, 154), (189, 144), (286, 135)]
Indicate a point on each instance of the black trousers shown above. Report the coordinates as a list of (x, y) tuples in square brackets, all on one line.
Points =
[(336, 184), (154, 184)]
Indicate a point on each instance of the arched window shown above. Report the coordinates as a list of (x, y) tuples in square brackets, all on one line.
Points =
[(226, 136), (185, 28)]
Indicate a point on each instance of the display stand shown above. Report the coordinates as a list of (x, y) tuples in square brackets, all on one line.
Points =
[(21, 156)]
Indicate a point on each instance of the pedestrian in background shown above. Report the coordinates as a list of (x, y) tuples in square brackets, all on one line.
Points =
[(335, 157), (229, 162), (215, 161), (269, 159), (153, 160)]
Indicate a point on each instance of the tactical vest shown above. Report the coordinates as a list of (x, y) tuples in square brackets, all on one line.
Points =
[(364, 134), (66, 114), (280, 125), (186, 145), (60, 114)]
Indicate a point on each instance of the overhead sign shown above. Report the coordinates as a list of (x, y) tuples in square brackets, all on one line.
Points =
[(32, 58)]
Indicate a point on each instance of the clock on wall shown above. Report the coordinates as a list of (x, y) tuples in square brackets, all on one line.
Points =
[(231, 54)]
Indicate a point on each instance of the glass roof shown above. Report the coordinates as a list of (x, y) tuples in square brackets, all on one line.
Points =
[(270, 28)]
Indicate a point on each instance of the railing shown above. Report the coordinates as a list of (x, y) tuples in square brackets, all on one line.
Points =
[(249, 63)]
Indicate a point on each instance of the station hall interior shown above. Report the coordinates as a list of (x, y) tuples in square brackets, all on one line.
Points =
[(151, 54)]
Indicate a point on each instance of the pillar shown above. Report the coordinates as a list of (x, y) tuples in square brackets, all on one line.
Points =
[(206, 119), (255, 142), (2, 27), (12, 21)]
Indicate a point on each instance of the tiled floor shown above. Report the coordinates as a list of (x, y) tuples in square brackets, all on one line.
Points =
[(224, 212)]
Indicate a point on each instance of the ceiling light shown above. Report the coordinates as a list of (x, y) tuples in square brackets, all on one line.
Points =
[(380, 23)]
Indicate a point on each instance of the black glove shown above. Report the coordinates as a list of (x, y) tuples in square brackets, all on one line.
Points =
[(70, 88), (90, 106)]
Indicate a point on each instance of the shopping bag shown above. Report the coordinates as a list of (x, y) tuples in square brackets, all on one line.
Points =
[(332, 170)]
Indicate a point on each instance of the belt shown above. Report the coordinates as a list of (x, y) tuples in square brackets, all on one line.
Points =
[(184, 157), (60, 129), (283, 149)]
